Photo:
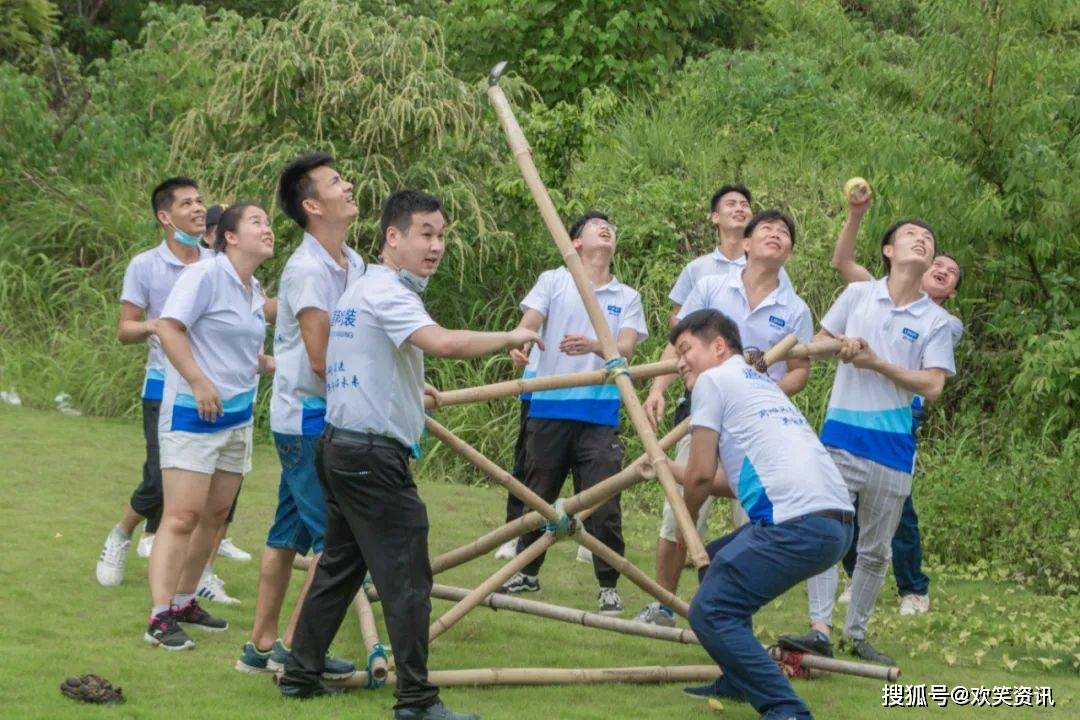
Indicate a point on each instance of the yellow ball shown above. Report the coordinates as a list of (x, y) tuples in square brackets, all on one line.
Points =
[(854, 184)]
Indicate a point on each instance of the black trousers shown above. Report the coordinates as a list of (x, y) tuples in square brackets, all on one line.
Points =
[(514, 507), (375, 521), (589, 452), (148, 498)]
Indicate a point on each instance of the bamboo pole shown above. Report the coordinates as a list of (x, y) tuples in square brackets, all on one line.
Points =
[(552, 676), (489, 468), (820, 348), (848, 667), (509, 388), (522, 155), (370, 633), (595, 495), (493, 583)]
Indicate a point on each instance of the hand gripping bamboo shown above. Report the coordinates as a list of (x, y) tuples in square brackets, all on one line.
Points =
[(523, 157)]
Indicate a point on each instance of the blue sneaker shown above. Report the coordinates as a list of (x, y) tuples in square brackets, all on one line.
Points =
[(333, 668), (253, 661), (718, 688)]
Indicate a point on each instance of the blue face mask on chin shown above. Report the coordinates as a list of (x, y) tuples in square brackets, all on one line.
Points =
[(413, 281), (184, 238)]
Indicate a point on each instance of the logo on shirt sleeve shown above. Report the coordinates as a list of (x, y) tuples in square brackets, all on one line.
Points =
[(614, 309), (776, 321), (910, 335)]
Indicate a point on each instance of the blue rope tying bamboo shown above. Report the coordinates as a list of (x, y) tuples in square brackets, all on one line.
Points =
[(563, 525), (615, 367), (378, 651)]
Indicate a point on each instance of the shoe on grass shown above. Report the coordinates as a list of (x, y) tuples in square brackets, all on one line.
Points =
[(608, 601), (914, 604), (229, 551), (146, 544), (113, 558), (194, 616), (164, 632), (212, 588), (720, 688), (252, 660), (438, 711), (521, 583), (305, 690), (814, 642), (333, 668), (654, 614), (863, 650), (845, 597), (507, 551), (584, 555)]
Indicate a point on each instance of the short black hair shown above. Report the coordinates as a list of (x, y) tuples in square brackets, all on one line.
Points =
[(724, 191), (230, 220), (887, 238), (295, 186), (959, 267), (707, 325), (398, 210), (768, 216), (161, 198), (579, 225)]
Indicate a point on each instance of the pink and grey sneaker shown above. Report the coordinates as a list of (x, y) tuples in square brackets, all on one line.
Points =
[(193, 615), (165, 632)]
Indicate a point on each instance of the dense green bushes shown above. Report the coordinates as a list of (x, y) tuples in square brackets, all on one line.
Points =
[(964, 113)]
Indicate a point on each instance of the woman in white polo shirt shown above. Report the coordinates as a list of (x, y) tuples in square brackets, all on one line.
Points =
[(212, 330)]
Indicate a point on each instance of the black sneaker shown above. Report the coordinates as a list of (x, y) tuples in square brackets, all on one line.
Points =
[(608, 601), (520, 583), (865, 651), (304, 690), (438, 711), (814, 642), (719, 688), (192, 614), (165, 632)]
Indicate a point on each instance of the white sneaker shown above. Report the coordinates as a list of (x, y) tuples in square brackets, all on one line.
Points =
[(110, 565), (653, 614), (507, 551), (584, 555), (608, 601), (230, 552), (845, 597), (212, 588), (146, 544), (914, 604)]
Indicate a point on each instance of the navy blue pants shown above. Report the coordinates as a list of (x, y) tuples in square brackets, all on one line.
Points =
[(906, 554), (749, 569)]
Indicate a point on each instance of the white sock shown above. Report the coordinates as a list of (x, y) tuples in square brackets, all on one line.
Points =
[(157, 610), (182, 599)]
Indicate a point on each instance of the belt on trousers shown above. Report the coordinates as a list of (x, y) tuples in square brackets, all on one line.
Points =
[(351, 437), (844, 516)]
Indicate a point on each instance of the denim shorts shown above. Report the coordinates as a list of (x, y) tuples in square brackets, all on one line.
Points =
[(300, 519)]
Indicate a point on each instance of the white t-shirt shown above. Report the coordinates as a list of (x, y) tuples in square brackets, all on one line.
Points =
[(781, 313), (374, 378), (869, 415), (715, 263), (774, 462), (147, 281), (311, 280), (556, 298), (226, 329)]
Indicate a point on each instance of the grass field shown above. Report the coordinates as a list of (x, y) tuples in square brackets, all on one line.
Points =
[(65, 479)]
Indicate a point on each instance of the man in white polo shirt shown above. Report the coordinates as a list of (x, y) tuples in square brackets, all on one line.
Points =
[(375, 519), (178, 209), (576, 430), (800, 515), (766, 309), (897, 343), (314, 195)]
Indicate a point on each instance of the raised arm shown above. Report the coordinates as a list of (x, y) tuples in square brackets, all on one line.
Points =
[(844, 253), (441, 342)]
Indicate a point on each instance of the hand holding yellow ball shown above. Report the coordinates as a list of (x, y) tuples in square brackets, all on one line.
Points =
[(858, 192)]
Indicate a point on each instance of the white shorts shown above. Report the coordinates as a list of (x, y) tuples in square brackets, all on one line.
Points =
[(668, 526), (228, 450)]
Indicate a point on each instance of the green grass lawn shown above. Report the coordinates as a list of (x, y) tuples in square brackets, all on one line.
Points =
[(64, 481)]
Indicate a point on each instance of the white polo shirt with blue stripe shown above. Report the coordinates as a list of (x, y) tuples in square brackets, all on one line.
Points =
[(775, 463), (147, 281), (226, 328), (713, 264), (780, 314), (870, 416), (311, 280), (556, 298)]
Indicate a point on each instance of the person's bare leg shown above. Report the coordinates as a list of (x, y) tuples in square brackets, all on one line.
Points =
[(275, 569), (295, 617), (217, 543), (185, 494), (223, 488), (669, 564), (130, 521)]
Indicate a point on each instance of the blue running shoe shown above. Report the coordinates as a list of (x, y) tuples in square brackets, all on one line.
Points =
[(253, 661), (333, 668)]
